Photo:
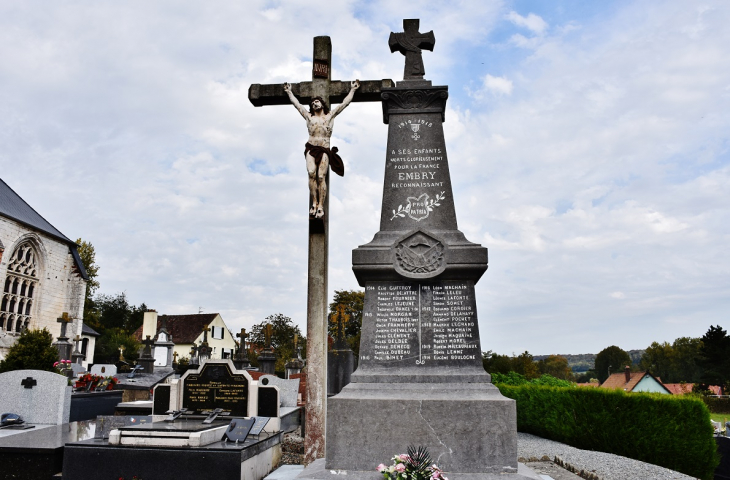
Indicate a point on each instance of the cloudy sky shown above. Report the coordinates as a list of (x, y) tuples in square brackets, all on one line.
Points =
[(588, 146)]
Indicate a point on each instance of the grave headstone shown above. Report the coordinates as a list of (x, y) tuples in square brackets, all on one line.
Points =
[(288, 389), (39, 397), (105, 369), (420, 376), (268, 401), (161, 399), (267, 359), (216, 385)]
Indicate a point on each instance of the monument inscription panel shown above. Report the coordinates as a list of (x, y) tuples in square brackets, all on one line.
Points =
[(420, 323), (215, 386)]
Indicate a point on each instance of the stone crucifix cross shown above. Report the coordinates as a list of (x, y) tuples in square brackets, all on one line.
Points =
[(328, 91), (317, 96), (410, 42)]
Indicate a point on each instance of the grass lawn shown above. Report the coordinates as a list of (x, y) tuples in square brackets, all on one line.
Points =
[(720, 417)]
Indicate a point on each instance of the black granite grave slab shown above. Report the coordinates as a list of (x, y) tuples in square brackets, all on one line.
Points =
[(215, 386), (220, 460)]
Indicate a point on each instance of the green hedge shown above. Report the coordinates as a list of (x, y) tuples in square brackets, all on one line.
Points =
[(717, 405), (664, 430)]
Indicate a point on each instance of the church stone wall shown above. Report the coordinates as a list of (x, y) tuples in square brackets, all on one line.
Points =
[(59, 288)]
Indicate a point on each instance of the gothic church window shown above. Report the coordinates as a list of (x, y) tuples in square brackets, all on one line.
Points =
[(22, 277)]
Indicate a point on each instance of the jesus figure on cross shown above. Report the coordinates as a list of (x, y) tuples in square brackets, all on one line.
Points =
[(317, 150)]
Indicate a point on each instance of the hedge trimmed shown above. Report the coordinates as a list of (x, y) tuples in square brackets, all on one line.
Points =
[(717, 405), (664, 430)]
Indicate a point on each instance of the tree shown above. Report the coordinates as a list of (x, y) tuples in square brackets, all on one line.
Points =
[(116, 320), (525, 365), (354, 301), (556, 366), (687, 352), (32, 351), (496, 363), (715, 356), (658, 358), (282, 338), (611, 357), (115, 312), (88, 259)]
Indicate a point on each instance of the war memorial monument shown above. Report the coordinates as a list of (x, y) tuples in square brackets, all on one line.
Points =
[(420, 379)]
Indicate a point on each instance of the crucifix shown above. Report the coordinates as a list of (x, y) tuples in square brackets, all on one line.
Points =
[(267, 336), (410, 42), (327, 90)]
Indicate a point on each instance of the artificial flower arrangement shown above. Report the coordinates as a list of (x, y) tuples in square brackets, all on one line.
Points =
[(62, 365), (94, 380), (415, 465)]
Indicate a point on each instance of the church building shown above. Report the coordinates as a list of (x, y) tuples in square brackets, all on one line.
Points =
[(41, 274)]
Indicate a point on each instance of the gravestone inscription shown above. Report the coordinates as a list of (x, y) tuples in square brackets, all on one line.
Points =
[(215, 385)]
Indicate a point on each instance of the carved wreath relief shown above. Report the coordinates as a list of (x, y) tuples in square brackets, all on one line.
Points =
[(419, 207), (420, 254)]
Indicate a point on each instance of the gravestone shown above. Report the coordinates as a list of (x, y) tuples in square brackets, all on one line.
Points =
[(288, 389), (268, 401), (215, 385), (420, 378), (39, 397), (105, 369)]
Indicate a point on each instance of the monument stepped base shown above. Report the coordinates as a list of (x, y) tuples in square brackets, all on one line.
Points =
[(469, 427), (318, 471)]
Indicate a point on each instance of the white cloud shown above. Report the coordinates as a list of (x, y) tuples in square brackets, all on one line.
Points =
[(498, 85), (532, 22)]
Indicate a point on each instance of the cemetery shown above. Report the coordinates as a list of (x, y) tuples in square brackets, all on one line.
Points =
[(416, 390)]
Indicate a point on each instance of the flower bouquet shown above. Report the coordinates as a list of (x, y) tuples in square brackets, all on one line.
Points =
[(415, 465)]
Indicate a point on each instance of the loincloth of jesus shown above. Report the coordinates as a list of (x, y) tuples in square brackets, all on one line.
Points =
[(335, 161)]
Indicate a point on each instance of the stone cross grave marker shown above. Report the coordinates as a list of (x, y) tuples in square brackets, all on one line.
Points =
[(328, 90), (39, 397)]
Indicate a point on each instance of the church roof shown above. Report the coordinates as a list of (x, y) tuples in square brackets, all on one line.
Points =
[(183, 328), (14, 207)]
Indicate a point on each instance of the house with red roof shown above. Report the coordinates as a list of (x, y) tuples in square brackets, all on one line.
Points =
[(684, 388), (186, 330), (630, 381)]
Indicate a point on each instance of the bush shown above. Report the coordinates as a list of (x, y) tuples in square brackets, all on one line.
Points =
[(32, 351), (660, 429), (717, 404), (515, 379)]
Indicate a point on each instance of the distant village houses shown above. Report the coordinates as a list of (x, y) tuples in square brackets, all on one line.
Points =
[(188, 330)]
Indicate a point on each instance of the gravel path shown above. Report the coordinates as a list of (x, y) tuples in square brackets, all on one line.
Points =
[(606, 466)]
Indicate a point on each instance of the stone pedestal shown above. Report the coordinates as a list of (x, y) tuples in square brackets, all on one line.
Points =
[(267, 363)]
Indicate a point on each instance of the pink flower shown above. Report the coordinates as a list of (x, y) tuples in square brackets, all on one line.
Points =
[(400, 468), (55, 364), (403, 457), (381, 467)]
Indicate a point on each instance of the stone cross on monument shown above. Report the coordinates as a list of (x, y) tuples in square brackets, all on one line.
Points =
[(410, 43), (328, 90)]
